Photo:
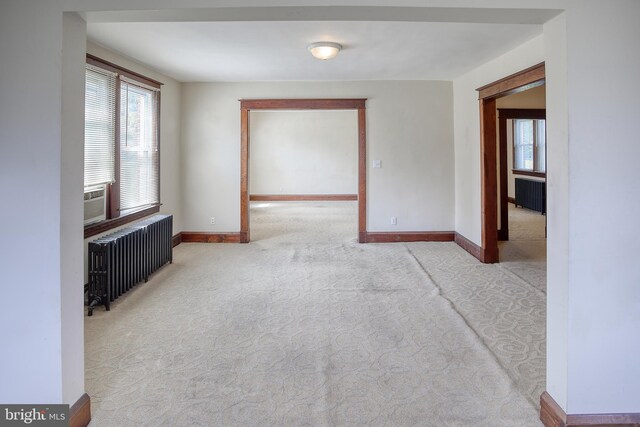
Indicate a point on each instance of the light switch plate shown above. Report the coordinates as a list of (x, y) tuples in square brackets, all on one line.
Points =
[(377, 163)]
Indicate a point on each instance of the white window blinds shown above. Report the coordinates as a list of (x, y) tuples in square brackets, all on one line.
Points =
[(139, 151), (99, 126)]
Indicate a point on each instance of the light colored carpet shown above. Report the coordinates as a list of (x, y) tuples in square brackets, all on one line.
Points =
[(304, 326), (525, 254)]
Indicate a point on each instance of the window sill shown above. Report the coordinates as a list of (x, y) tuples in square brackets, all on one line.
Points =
[(91, 230), (529, 173)]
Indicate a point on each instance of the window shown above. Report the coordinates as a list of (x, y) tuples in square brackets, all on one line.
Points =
[(122, 150), (529, 137)]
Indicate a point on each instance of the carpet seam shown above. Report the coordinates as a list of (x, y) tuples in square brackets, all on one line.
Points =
[(464, 319)]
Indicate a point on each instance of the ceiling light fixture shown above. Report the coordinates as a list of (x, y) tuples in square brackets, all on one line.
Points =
[(324, 50)]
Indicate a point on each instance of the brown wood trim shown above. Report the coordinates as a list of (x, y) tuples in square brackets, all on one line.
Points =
[(410, 236), (469, 246), (80, 412), (99, 62), (106, 225), (511, 200), (303, 104), (203, 237), (244, 175), (618, 420), (529, 173), (177, 239), (362, 174), (489, 179), (244, 237), (301, 197), (552, 415), (246, 105), (503, 232), (516, 82), (522, 113)]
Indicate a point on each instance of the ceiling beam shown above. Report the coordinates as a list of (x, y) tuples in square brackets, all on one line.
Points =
[(331, 13)]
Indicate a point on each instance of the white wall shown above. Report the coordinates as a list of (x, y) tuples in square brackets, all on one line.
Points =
[(32, 266), (532, 98), (409, 128), (604, 236), (555, 43), (467, 131), (71, 190), (303, 152)]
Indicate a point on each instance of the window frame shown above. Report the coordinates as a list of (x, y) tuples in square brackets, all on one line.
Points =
[(114, 216), (535, 170), (523, 114)]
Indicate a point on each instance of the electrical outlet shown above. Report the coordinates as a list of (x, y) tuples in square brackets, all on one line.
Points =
[(212, 220), (377, 164), (394, 220)]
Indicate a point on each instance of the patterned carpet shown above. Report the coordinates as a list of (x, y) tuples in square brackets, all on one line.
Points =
[(304, 326)]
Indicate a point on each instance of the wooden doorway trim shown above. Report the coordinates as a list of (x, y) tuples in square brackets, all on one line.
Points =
[(487, 95), (246, 105)]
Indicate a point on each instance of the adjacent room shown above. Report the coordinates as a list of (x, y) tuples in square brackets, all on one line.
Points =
[(303, 173)]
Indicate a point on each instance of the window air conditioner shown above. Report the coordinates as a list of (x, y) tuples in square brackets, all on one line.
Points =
[(95, 204)]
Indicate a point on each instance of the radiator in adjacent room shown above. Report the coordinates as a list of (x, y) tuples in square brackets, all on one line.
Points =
[(120, 260), (531, 194)]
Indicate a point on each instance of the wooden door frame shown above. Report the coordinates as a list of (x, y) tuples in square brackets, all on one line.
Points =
[(505, 114), (518, 82), (246, 105)]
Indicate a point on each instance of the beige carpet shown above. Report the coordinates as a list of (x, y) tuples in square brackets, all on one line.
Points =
[(525, 254), (304, 326)]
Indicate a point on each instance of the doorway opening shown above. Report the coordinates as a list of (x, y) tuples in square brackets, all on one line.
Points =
[(522, 160), (247, 105), (303, 176), (488, 95)]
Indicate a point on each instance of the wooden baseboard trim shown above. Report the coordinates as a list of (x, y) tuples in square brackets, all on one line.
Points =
[(511, 200), (80, 412), (200, 237), (409, 236), (552, 415), (301, 197), (469, 246), (177, 239)]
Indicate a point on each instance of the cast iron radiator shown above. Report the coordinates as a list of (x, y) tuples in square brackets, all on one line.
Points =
[(531, 195), (120, 260)]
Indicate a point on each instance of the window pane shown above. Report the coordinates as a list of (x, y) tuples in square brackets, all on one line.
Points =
[(139, 159), (523, 144), (99, 127), (541, 143)]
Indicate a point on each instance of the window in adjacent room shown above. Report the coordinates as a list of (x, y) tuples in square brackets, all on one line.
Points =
[(122, 150), (529, 137)]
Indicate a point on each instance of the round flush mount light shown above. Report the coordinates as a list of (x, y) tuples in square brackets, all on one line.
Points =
[(324, 50)]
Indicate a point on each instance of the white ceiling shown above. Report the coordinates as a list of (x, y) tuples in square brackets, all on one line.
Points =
[(276, 50)]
